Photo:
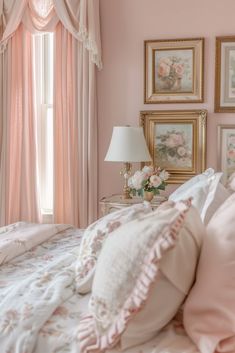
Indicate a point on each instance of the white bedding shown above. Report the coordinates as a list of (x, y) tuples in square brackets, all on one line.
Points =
[(40, 309)]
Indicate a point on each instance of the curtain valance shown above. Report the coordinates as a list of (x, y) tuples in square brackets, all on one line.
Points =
[(79, 17)]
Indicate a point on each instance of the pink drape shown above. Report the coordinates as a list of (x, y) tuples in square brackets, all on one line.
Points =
[(79, 17), (78, 50), (75, 132), (18, 181)]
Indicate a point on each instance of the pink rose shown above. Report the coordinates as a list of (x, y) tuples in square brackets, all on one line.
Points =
[(166, 61), (163, 70), (155, 181), (174, 140), (231, 154), (179, 69), (61, 311)]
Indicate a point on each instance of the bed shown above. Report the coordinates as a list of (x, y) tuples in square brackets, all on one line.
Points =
[(44, 276), (56, 328)]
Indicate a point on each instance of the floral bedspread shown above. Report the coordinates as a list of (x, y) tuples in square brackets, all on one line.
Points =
[(40, 309), (17, 238), (33, 288)]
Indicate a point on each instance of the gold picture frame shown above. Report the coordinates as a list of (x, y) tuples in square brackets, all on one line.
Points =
[(225, 75), (177, 141), (174, 71), (226, 150)]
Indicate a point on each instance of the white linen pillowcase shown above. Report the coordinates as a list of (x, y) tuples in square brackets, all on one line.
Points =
[(206, 191), (122, 308), (93, 238)]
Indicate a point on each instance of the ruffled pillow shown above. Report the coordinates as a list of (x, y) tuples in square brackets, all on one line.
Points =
[(94, 237), (133, 295)]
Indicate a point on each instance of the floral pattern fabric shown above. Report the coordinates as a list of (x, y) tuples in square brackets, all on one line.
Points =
[(33, 288), (94, 238), (40, 309)]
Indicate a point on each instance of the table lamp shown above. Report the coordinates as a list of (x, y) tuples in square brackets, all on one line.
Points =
[(127, 145)]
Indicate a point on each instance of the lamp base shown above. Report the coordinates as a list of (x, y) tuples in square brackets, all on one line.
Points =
[(126, 194), (126, 171)]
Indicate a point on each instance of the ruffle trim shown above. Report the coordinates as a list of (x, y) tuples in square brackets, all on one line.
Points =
[(89, 337)]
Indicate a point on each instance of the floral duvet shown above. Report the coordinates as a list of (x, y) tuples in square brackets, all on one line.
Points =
[(39, 307)]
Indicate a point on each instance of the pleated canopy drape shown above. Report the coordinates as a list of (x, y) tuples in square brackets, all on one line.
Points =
[(79, 17), (77, 53)]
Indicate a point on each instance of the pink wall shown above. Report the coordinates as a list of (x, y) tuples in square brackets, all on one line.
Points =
[(125, 24)]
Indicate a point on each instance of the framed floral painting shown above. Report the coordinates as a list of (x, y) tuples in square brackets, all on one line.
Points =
[(174, 71), (176, 141), (225, 75), (226, 150)]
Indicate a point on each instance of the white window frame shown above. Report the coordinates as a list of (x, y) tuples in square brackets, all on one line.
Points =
[(43, 47)]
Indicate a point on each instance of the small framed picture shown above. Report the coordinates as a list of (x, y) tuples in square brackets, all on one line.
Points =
[(225, 75), (176, 141), (174, 71), (226, 150)]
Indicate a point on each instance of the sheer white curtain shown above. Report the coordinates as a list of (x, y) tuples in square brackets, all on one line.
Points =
[(76, 23)]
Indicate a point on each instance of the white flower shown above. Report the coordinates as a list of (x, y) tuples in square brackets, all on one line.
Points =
[(181, 151), (155, 180), (164, 175), (138, 179), (147, 179), (130, 182), (148, 170)]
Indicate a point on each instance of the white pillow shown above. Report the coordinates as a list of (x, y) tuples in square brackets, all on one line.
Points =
[(93, 238), (216, 197), (135, 293), (207, 193)]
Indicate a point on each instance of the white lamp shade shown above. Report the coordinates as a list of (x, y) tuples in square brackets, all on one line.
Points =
[(128, 145)]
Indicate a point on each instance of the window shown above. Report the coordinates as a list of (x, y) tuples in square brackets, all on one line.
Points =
[(43, 71)]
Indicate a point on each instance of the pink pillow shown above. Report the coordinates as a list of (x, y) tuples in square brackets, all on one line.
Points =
[(209, 314)]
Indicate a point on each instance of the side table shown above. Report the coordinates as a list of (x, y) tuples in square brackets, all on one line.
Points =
[(116, 202)]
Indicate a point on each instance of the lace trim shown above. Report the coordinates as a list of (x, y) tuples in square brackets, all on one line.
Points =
[(90, 339), (90, 45)]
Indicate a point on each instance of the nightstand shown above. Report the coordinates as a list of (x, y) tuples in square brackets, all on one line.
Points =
[(116, 202)]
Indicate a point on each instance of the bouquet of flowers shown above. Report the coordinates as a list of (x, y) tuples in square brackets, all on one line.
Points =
[(171, 71), (148, 179)]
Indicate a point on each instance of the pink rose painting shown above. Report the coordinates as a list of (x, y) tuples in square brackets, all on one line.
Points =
[(173, 146), (174, 70), (230, 156)]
